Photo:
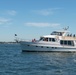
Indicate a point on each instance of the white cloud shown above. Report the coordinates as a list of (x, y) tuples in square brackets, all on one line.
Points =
[(11, 12), (4, 21), (42, 24), (46, 12)]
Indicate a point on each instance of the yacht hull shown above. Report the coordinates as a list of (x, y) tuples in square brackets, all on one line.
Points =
[(37, 47)]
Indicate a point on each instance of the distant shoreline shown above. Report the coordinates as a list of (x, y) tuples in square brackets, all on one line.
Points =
[(8, 42)]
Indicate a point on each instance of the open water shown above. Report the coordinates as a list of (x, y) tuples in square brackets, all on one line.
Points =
[(14, 62)]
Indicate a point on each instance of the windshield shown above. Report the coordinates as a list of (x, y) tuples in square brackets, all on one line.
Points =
[(57, 33), (43, 39)]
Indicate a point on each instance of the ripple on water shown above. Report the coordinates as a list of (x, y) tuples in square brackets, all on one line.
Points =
[(14, 62)]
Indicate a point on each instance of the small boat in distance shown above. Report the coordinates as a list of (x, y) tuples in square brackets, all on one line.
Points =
[(57, 41)]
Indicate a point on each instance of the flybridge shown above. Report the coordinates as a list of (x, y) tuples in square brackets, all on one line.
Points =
[(57, 33)]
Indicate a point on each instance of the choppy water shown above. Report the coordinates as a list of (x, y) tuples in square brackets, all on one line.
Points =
[(15, 62)]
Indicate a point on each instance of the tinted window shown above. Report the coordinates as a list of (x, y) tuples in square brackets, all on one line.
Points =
[(66, 42), (61, 42), (53, 39), (49, 39), (45, 39), (69, 42)]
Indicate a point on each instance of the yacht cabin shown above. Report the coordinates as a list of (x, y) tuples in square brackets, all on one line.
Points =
[(61, 37)]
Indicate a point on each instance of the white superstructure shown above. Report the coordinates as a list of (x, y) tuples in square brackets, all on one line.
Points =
[(56, 41)]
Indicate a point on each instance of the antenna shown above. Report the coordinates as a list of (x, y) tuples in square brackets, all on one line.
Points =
[(66, 28)]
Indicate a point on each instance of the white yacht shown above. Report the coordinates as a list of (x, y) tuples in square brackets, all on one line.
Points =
[(57, 41)]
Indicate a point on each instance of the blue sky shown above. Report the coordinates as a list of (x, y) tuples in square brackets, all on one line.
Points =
[(32, 18)]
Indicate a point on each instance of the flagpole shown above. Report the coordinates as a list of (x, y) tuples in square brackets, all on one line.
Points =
[(16, 38)]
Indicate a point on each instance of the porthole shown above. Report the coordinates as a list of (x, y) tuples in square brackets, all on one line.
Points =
[(52, 47), (47, 47), (41, 46), (36, 46), (55, 47)]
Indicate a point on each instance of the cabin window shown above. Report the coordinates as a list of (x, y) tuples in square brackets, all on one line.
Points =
[(52, 39), (45, 39), (61, 42), (67, 42)]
